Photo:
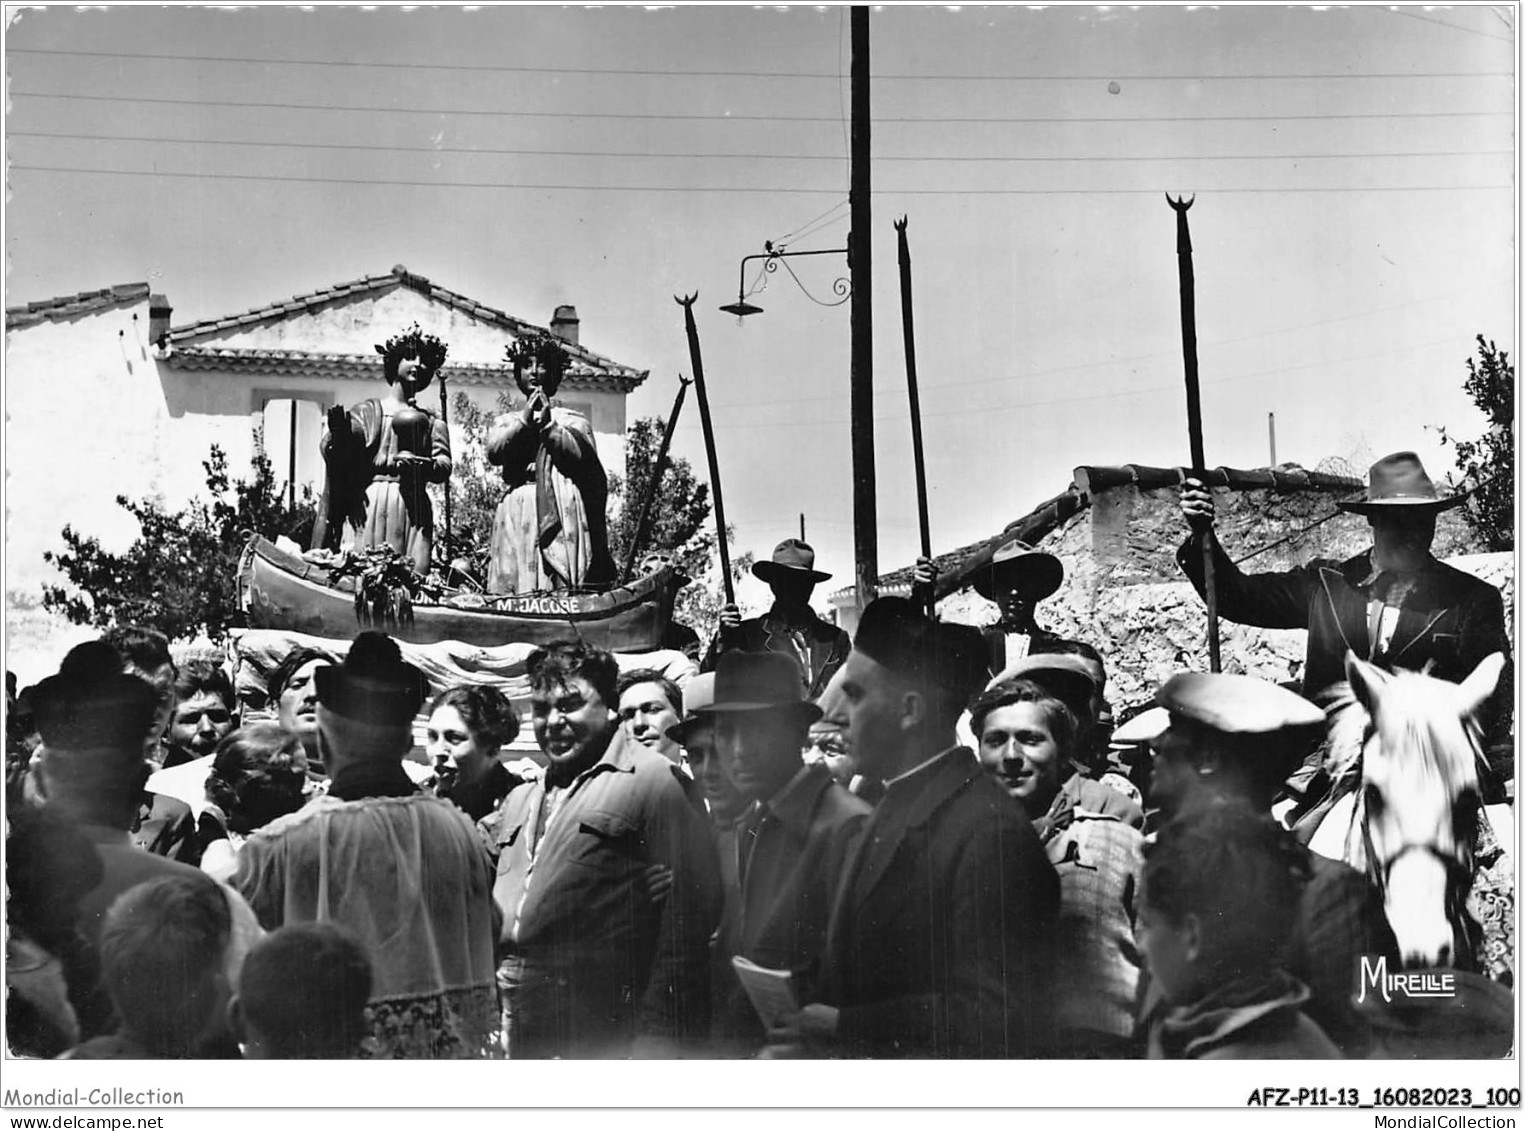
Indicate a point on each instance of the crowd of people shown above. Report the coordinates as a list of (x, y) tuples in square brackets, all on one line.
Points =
[(927, 840)]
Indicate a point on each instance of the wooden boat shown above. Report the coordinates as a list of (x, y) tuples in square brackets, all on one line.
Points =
[(282, 591)]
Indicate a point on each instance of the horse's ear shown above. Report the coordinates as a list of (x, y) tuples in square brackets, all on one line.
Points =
[(1477, 687), (1365, 680)]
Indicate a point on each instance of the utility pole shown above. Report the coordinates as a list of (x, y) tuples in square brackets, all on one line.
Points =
[(860, 267), (1271, 425)]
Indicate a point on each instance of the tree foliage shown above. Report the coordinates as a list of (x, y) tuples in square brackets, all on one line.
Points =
[(180, 575), (1487, 463), (476, 487)]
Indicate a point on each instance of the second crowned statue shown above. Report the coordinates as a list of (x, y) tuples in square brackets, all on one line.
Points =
[(551, 530)]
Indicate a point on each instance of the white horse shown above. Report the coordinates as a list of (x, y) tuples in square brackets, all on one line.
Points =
[(1404, 754)]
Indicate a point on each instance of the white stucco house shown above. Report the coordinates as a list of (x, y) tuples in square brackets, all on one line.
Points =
[(105, 397)]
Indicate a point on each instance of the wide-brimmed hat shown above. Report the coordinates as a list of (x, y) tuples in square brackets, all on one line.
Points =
[(1015, 564), (760, 681), (697, 697), (1398, 482), (792, 555), (374, 684)]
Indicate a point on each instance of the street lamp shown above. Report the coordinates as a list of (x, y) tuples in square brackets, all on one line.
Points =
[(772, 257)]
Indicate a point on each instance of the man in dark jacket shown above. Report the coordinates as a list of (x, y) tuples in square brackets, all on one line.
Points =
[(591, 954), (935, 946), (791, 626), (801, 825), (1393, 605)]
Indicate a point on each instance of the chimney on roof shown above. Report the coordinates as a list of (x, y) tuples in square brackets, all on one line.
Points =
[(564, 324), (159, 311)]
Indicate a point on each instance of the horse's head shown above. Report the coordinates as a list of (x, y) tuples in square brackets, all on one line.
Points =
[(1420, 796)]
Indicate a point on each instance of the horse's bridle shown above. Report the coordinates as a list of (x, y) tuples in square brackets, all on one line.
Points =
[(1458, 882)]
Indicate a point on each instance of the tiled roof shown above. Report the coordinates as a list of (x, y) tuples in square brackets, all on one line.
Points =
[(188, 335), (72, 306), (956, 566), (304, 363)]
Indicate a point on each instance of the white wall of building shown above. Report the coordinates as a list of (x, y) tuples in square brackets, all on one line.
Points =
[(90, 414)]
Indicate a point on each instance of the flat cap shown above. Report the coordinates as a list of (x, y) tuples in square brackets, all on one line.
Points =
[(1232, 704), (1237, 704)]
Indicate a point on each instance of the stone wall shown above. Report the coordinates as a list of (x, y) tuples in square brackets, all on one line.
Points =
[(1124, 594)]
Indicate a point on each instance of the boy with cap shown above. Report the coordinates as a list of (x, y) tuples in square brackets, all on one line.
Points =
[(400, 869), (1219, 737), (1393, 605), (804, 819), (935, 944), (791, 626)]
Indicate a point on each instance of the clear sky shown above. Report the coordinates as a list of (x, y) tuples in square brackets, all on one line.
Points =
[(1354, 175)]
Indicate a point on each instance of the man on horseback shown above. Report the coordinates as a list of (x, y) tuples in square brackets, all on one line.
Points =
[(1232, 737), (1393, 605)]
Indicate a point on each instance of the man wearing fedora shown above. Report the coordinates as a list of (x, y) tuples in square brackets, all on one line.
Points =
[(1017, 578), (791, 626), (1218, 736), (936, 941), (731, 815), (803, 819), (1393, 605), (402, 870)]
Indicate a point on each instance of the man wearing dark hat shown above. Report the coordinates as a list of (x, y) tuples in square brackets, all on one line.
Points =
[(402, 870), (1219, 736), (591, 957), (1017, 578), (97, 723), (1393, 605), (791, 626), (935, 942), (730, 815), (803, 820)]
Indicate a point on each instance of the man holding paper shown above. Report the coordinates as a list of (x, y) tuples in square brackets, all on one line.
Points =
[(798, 833), (935, 945)]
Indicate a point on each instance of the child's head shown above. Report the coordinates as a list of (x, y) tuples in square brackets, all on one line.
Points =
[(302, 994), (162, 949), (1220, 895)]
